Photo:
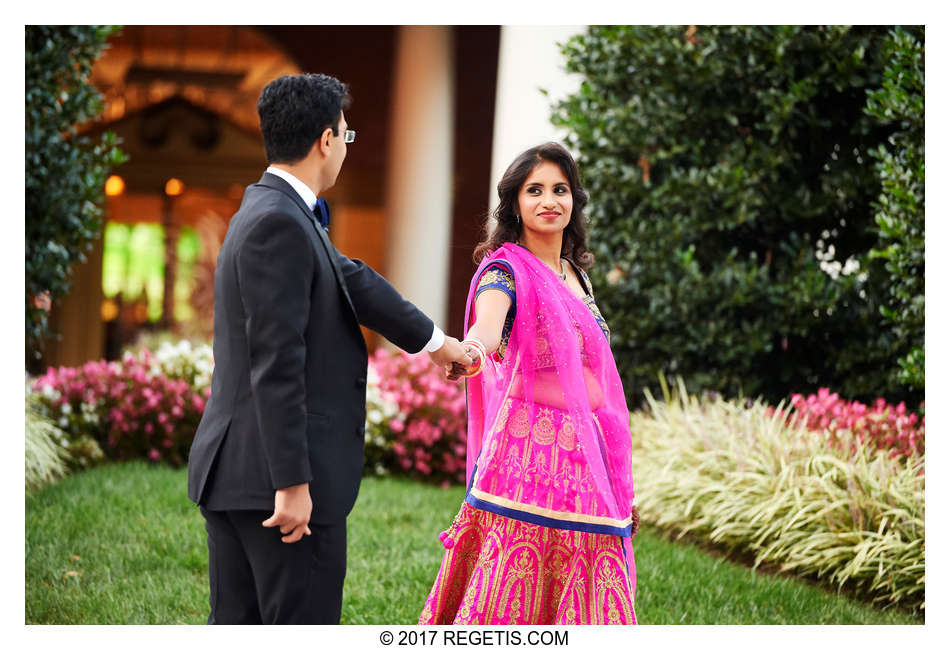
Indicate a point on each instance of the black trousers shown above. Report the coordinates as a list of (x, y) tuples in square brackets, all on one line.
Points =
[(257, 579)]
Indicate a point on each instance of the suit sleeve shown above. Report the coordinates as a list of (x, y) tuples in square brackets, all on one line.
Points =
[(380, 307), (275, 271)]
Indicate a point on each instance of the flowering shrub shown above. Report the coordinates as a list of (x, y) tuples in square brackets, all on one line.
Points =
[(131, 407), (182, 360), (415, 419), (882, 426), (379, 457), (754, 478), (149, 404)]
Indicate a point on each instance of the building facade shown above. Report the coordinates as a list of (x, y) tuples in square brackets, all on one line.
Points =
[(439, 111)]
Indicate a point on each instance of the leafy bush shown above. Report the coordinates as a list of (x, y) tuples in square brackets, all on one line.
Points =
[(882, 426), (130, 407), (900, 206), (731, 204), (65, 173), (421, 427), (750, 477)]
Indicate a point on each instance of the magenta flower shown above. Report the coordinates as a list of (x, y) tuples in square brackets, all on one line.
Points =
[(883, 426)]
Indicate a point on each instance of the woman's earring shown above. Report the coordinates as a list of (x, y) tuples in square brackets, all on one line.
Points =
[(517, 218)]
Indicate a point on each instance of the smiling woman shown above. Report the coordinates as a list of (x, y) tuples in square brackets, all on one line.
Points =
[(550, 509)]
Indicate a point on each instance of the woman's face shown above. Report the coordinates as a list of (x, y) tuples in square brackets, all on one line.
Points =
[(544, 200)]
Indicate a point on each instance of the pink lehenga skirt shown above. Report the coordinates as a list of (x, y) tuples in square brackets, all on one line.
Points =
[(505, 571), (499, 569)]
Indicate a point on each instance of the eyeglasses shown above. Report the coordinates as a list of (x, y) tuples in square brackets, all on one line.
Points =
[(349, 136)]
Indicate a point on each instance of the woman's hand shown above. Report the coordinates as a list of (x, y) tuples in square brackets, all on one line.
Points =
[(457, 370), (635, 514)]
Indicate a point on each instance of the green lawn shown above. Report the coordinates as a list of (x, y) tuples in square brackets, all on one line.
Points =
[(121, 544)]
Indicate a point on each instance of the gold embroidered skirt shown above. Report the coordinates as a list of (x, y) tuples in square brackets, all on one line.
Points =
[(498, 570)]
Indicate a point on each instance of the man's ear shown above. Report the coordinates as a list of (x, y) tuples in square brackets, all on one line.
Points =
[(323, 142)]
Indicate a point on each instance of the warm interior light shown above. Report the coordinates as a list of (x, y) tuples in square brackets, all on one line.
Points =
[(174, 187), (140, 312), (115, 185), (109, 310)]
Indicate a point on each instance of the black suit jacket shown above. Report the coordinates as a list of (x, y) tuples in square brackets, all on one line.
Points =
[(288, 392)]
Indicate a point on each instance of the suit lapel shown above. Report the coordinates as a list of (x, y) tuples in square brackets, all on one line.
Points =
[(279, 184)]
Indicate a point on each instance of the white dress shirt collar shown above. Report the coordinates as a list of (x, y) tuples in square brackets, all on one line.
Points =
[(299, 186)]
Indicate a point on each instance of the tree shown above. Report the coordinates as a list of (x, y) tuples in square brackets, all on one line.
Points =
[(65, 173), (731, 204), (900, 207)]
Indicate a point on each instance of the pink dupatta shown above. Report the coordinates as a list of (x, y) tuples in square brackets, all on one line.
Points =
[(556, 393)]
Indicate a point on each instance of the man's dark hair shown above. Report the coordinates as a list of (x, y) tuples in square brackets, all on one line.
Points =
[(295, 110)]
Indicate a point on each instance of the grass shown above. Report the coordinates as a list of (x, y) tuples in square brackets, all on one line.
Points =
[(121, 544)]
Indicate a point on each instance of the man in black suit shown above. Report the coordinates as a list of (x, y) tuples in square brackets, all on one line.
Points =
[(276, 461)]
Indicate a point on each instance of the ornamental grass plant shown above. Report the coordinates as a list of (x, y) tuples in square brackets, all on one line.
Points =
[(755, 479), (45, 454)]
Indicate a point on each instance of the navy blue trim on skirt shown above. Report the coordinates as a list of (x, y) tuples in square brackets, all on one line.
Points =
[(549, 522)]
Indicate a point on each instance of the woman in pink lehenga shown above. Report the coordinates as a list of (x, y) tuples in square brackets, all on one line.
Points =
[(544, 534)]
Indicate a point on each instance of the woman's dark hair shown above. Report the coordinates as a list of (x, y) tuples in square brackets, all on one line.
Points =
[(508, 228), (295, 110)]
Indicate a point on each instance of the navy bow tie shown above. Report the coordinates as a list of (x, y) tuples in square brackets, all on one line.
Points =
[(322, 212)]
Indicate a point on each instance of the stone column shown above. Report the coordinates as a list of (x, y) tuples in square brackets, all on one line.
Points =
[(529, 59), (419, 169)]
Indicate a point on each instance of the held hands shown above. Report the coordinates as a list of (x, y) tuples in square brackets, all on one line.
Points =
[(450, 356), (292, 508), (476, 352)]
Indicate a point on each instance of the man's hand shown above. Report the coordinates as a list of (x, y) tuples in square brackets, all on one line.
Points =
[(292, 508), (451, 352), (457, 370)]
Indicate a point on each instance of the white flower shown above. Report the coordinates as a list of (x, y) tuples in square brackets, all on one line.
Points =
[(850, 266), (375, 416), (63, 422), (831, 268), (66, 408)]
